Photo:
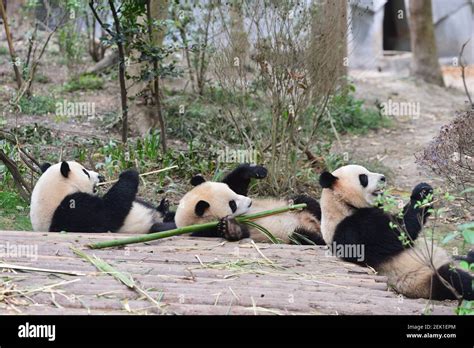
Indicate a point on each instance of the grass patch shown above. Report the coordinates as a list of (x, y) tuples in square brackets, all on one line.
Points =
[(351, 116), (207, 117), (86, 82), (145, 154), (37, 105), (3, 51), (42, 78), (13, 212)]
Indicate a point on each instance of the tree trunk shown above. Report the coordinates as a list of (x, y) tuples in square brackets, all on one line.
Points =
[(159, 10), (146, 116), (123, 89), (238, 35), (327, 52), (425, 64)]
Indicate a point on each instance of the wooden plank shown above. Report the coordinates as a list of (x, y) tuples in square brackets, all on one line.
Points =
[(195, 276)]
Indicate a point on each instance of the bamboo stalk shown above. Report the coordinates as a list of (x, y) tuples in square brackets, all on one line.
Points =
[(190, 229), (144, 174)]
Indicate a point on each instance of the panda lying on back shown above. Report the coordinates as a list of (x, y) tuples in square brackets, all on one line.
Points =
[(210, 201), (348, 219), (64, 199)]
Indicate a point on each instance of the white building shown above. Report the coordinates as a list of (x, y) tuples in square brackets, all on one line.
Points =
[(380, 25)]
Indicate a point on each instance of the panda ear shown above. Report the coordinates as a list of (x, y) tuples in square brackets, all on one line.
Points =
[(201, 207), (44, 166), (197, 180), (327, 180), (65, 169)]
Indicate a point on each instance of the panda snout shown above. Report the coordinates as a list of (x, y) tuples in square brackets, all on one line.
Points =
[(382, 178), (101, 178)]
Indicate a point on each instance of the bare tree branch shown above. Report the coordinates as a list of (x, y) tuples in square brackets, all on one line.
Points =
[(23, 188), (13, 56), (463, 68)]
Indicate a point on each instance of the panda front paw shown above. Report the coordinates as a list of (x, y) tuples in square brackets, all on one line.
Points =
[(130, 174), (421, 191), (257, 172), (231, 230), (469, 258)]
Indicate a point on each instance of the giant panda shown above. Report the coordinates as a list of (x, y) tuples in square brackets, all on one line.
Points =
[(223, 201), (64, 199), (349, 219)]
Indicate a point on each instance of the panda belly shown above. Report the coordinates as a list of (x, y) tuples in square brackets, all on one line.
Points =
[(281, 226), (410, 273), (140, 219)]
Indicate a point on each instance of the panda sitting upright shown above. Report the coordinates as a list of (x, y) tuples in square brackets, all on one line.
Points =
[(209, 201), (64, 199), (349, 220)]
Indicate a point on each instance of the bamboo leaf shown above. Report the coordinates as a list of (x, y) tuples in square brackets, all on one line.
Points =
[(103, 266), (468, 236), (449, 237), (262, 229), (464, 265), (306, 239)]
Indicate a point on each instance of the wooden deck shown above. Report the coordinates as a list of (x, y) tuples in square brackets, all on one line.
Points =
[(185, 275)]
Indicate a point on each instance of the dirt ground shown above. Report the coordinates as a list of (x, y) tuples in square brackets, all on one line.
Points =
[(393, 149)]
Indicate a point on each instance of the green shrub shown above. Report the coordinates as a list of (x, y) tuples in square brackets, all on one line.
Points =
[(351, 116), (3, 51), (84, 83), (37, 105), (42, 78), (13, 212)]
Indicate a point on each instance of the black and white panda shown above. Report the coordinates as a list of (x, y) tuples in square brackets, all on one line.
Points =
[(349, 219), (211, 201), (64, 199)]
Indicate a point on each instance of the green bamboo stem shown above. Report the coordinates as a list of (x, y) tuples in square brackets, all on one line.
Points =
[(190, 229)]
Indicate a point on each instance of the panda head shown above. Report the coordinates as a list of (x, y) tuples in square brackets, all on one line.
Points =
[(209, 201), (354, 185), (72, 175)]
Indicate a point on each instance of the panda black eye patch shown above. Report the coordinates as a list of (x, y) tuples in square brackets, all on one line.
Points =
[(364, 180), (233, 206), (85, 171)]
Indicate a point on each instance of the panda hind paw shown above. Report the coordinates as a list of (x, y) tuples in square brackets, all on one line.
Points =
[(164, 206), (258, 172)]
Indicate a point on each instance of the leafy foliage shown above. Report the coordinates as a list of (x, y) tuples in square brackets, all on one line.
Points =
[(37, 105), (13, 212), (351, 116), (83, 83)]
